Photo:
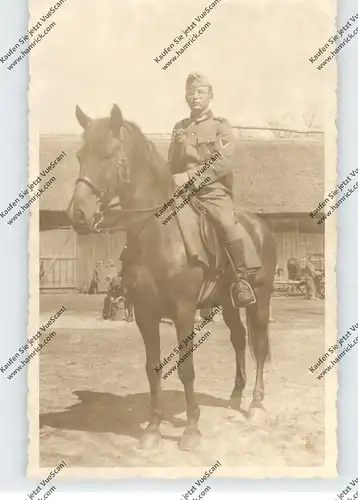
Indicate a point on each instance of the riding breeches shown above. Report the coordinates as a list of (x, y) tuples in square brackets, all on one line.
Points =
[(220, 208)]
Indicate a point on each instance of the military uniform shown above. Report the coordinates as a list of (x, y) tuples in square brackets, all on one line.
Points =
[(195, 140), (199, 140)]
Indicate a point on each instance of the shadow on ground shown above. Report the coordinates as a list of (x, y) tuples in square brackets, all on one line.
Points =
[(123, 415)]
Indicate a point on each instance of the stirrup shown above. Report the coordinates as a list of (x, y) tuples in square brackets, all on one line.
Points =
[(243, 301)]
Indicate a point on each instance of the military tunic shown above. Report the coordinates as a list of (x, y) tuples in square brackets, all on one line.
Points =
[(194, 141)]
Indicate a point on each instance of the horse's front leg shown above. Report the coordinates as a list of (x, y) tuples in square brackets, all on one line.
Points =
[(238, 339), (184, 324), (149, 329)]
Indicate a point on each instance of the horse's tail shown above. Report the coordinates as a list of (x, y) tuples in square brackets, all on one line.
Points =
[(253, 335)]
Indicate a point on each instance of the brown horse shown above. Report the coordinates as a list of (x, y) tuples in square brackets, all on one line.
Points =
[(116, 160)]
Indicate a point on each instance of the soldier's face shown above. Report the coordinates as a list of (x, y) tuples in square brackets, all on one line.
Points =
[(199, 98)]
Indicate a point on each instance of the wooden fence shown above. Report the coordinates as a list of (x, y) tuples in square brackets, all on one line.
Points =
[(60, 275)]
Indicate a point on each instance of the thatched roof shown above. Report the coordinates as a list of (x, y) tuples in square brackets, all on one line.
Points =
[(278, 177), (273, 176)]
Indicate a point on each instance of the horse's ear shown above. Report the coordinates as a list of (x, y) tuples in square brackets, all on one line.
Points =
[(116, 120), (82, 118)]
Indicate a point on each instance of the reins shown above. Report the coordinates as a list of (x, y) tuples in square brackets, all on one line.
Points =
[(129, 210), (112, 208), (152, 209)]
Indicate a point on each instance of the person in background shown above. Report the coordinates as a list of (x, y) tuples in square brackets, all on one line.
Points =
[(93, 288), (279, 272), (115, 290), (313, 278)]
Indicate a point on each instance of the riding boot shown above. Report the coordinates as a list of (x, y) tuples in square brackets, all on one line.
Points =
[(241, 292)]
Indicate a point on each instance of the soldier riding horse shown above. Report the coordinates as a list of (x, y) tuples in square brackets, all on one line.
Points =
[(118, 162)]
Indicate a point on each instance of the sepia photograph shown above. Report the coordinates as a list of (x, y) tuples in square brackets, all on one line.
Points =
[(182, 248)]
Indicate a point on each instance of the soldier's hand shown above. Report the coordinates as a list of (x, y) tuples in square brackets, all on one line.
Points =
[(181, 178)]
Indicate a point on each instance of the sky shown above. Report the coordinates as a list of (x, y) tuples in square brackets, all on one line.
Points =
[(255, 53)]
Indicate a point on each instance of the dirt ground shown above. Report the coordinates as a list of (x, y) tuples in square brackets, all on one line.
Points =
[(94, 398)]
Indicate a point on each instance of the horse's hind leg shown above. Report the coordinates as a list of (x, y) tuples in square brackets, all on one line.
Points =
[(237, 336), (258, 321), (149, 329)]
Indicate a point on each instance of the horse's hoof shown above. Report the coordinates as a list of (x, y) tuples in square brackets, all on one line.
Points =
[(190, 441), (235, 400), (150, 441), (257, 414), (235, 403)]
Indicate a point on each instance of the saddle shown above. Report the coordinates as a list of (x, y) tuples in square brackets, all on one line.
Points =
[(204, 248)]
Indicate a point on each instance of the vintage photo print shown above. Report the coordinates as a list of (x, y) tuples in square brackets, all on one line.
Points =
[(183, 197)]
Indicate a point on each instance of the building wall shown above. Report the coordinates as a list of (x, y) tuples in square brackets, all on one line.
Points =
[(295, 237), (295, 244), (58, 253), (78, 254), (63, 240), (67, 260), (97, 248)]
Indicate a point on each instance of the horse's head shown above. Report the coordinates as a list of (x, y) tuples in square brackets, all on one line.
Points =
[(103, 172)]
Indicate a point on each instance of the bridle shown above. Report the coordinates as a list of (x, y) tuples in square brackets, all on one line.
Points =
[(102, 198), (104, 204)]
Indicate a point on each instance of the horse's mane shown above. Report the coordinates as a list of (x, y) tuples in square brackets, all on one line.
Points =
[(147, 154), (144, 147), (97, 133)]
